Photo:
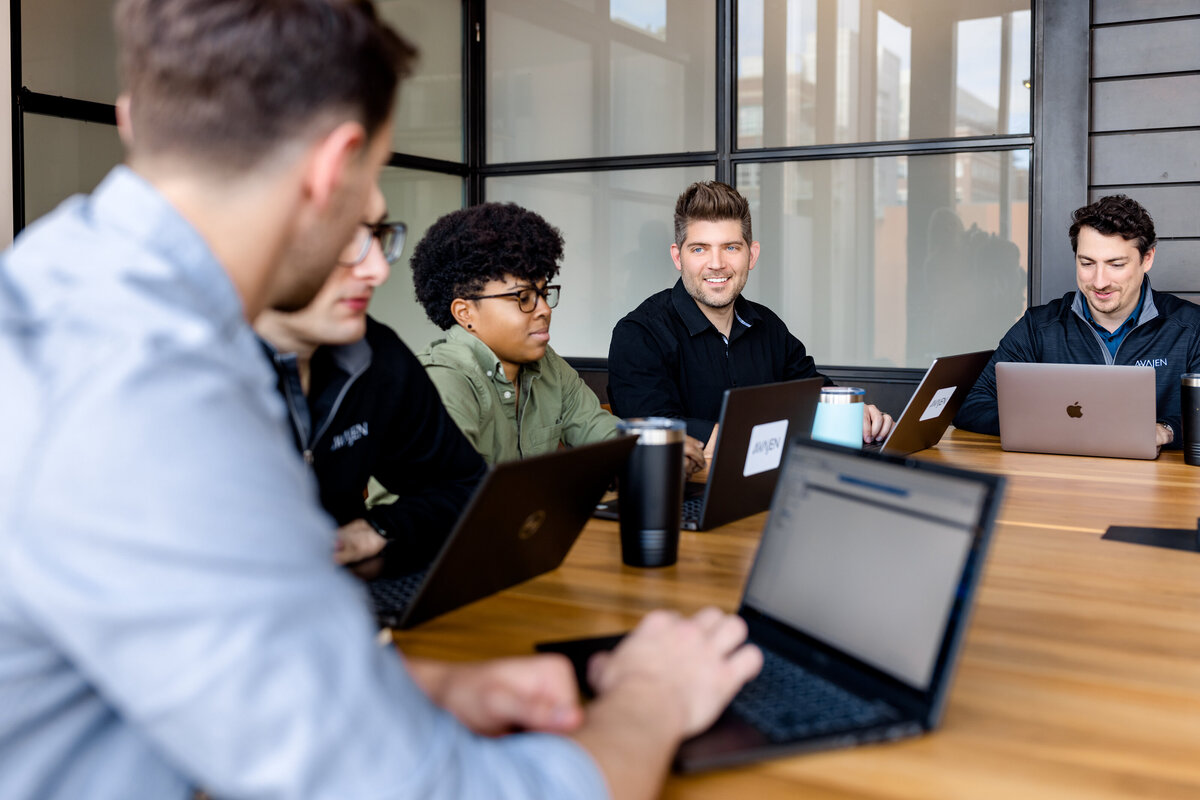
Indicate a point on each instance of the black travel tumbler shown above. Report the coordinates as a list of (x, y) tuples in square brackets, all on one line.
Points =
[(650, 492), (1189, 402)]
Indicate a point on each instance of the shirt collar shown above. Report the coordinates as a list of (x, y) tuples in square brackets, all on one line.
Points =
[(693, 317), (483, 354), (127, 203), (350, 358)]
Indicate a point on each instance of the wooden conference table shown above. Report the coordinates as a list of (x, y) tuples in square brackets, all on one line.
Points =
[(1081, 672)]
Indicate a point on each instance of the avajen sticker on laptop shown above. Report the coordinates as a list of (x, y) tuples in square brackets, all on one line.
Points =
[(766, 447)]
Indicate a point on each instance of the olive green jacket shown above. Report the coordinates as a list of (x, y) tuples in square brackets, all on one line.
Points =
[(556, 406)]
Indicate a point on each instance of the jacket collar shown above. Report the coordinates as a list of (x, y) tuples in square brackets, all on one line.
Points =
[(1149, 309)]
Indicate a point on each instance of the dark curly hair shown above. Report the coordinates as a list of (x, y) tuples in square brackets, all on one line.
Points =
[(1117, 214), (467, 248)]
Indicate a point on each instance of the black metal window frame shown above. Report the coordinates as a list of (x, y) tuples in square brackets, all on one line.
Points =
[(1057, 141)]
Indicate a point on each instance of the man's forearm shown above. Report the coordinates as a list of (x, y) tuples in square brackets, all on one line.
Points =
[(632, 733)]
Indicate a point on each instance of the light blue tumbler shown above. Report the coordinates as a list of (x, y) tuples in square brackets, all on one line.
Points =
[(839, 417)]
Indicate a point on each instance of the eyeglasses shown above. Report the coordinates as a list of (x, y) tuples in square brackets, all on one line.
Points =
[(391, 241), (526, 298)]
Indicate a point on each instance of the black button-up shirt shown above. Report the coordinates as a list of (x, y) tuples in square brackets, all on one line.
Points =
[(666, 359)]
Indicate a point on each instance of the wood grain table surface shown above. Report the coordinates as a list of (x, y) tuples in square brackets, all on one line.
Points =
[(1081, 672)]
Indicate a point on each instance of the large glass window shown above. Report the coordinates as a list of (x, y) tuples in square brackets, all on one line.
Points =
[(68, 49), (64, 157), (811, 72), (428, 119), (617, 226), (892, 261), (418, 199), (583, 80)]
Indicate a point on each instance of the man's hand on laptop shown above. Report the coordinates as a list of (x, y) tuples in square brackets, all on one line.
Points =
[(1163, 434), (693, 455), (533, 693), (357, 541), (876, 424), (692, 665)]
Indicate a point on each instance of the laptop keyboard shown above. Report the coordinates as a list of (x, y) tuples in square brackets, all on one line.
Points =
[(787, 703), (692, 508), (394, 594)]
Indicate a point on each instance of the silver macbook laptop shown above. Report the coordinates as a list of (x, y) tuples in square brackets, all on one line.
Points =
[(1077, 409), (860, 597), (934, 403), (522, 521), (755, 425)]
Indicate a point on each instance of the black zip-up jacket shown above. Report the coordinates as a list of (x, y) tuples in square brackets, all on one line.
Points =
[(1166, 337), (372, 411)]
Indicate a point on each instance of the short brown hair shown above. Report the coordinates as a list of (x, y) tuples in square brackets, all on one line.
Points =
[(227, 81), (1115, 214), (711, 201)]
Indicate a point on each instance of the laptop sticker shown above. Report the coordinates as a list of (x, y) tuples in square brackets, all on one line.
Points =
[(766, 447), (940, 398)]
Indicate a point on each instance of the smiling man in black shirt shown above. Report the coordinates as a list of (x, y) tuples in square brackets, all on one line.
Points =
[(677, 353)]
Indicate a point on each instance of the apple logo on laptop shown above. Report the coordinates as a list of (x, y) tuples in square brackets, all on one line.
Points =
[(1075, 411), (531, 525)]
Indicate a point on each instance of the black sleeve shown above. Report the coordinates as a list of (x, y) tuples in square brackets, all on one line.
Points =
[(799, 363), (640, 380), (427, 463), (979, 412)]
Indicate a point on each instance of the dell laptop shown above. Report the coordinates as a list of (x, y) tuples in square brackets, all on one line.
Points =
[(521, 522), (1077, 409), (755, 425), (934, 403), (860, 597)]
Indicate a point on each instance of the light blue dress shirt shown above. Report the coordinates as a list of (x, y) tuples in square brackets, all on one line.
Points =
[(170, 615)]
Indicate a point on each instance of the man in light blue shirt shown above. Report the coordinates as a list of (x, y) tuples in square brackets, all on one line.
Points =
[(170, 614)]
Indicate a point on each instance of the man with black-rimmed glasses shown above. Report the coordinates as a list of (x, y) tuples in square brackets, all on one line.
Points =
[(360, 406)]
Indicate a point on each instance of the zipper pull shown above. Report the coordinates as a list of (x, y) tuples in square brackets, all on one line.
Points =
[(308, 457)]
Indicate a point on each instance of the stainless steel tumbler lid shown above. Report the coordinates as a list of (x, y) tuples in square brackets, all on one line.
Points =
[(1191, 379), (654, 430), (843, 394)]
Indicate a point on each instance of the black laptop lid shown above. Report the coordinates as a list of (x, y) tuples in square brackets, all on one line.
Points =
[(756, 424), (521, 522), (873, 562), (936, 400)]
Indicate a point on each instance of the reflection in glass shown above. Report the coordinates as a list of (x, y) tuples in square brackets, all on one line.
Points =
[(892, 261), (64, 157), (428, 119), (569, 81), (618, 230), (811, 72), (419, 198)]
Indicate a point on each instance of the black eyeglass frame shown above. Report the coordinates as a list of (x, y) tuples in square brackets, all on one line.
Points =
[(391, 236), (545, 292)]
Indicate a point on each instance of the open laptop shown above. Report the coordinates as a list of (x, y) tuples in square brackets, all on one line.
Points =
[(755, 425), (1077, 409), (521, 522), (934, 403), (860, 596)]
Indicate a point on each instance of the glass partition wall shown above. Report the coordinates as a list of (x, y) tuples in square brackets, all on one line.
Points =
[(885, 147)]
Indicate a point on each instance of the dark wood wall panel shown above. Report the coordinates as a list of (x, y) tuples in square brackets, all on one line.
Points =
[(1177, 266), (1159, 157), (1105, 11), (1144, 103), (1146, 49), (1176, 209)]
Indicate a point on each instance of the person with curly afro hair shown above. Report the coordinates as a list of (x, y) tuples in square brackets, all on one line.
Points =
[(483, 275), (1114, 317)]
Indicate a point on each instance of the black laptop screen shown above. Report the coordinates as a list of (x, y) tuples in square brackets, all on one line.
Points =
[(867, 557)]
